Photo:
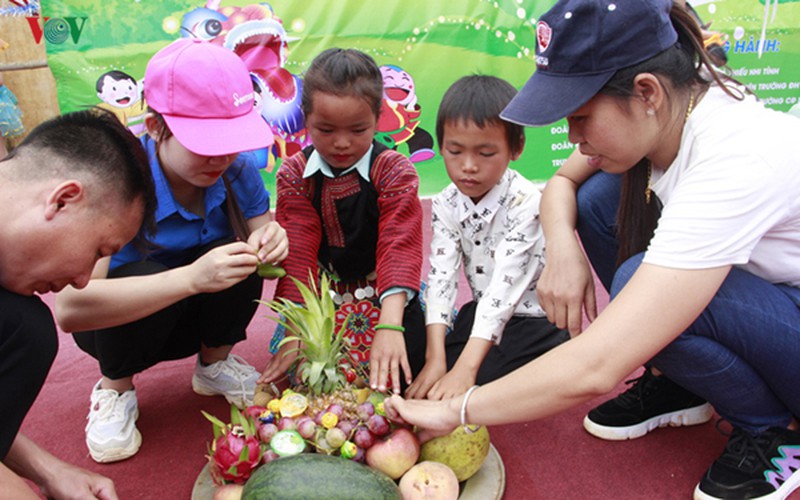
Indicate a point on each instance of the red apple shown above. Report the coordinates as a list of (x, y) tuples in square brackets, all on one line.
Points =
[(395, 454)]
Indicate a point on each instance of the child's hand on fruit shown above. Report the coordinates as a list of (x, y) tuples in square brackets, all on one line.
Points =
[(387, 357), (455, 383), (433, 370), (464, 372), (279, 364)]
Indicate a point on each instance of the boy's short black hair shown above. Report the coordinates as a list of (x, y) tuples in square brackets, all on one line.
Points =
[(479, 99)]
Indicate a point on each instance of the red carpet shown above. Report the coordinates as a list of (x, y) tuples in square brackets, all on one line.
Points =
[(547, 459)]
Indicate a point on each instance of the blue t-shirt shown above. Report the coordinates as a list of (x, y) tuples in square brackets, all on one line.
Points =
[(181, 232)]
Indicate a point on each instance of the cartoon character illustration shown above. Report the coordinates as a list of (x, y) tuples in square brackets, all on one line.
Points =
[(400, 114), (257, 35), (124, 97)]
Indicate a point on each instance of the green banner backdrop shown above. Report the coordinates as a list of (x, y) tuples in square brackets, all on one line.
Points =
[(98, 51)]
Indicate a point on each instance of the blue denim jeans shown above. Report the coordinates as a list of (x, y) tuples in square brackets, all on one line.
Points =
[(742, 353)]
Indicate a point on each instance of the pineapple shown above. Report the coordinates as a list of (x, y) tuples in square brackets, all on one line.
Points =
[(322, 350)]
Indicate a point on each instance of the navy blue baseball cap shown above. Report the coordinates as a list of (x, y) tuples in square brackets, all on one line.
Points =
[(580, 45)]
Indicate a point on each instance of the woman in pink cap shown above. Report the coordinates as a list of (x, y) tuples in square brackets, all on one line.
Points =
[(195, 290), (684, 193)]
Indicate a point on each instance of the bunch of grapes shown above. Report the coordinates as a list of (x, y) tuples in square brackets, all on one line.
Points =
[(287, 430)]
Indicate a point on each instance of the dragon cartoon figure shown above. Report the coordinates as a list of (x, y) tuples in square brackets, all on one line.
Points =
[(257, 35), (400, 114)]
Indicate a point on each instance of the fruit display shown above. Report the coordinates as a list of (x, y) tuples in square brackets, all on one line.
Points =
[(289, 425), (326, 432)]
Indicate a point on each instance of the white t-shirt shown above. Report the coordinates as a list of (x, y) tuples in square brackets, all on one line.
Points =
[(732, 195), (501, 243)]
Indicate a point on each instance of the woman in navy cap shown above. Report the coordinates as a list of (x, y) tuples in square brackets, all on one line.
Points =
[(683, 190)]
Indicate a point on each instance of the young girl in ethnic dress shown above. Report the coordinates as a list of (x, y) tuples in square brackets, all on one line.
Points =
[(350, 207)]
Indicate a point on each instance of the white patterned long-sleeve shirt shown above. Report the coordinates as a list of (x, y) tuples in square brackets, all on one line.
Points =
[(500, 243)]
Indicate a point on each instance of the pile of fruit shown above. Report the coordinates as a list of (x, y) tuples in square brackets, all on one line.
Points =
[(327, 437), (287, 427), (249, 455)]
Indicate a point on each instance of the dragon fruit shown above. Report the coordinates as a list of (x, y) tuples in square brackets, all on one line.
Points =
[(236, 450)]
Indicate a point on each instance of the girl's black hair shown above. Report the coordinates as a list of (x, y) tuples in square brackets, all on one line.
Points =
[(343, 72)]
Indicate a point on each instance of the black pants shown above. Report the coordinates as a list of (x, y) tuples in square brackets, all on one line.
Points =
[(28, 346), (175, 332), (524, 339), (415, 337)]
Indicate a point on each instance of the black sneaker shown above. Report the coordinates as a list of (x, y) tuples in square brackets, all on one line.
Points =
[(766, 466), (649, 403)]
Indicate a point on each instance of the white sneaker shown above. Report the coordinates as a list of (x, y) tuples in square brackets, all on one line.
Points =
[(111, 433), (231, 377)]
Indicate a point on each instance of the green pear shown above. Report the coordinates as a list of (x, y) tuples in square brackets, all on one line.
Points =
[(462, 452)]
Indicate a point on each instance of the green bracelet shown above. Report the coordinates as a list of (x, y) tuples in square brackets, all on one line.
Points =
[(397, 328)]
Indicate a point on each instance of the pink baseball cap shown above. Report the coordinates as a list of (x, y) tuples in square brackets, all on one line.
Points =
[(206, 96)]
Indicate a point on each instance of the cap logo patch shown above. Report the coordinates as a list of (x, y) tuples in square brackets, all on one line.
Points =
[(543, 35), (237, 100)]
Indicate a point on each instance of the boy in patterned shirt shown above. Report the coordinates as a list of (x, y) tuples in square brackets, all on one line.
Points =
[(488, 221)]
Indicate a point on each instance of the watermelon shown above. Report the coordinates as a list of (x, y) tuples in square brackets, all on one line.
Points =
[(310, 476)]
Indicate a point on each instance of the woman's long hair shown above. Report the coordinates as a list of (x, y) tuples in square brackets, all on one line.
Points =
[(683, 65)]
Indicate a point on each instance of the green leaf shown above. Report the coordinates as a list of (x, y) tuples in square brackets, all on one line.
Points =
[(313, 324), (250, 427), (236, 417), (244, 454), (327, 326), (315, 372), (330, 373), (214, 420)]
